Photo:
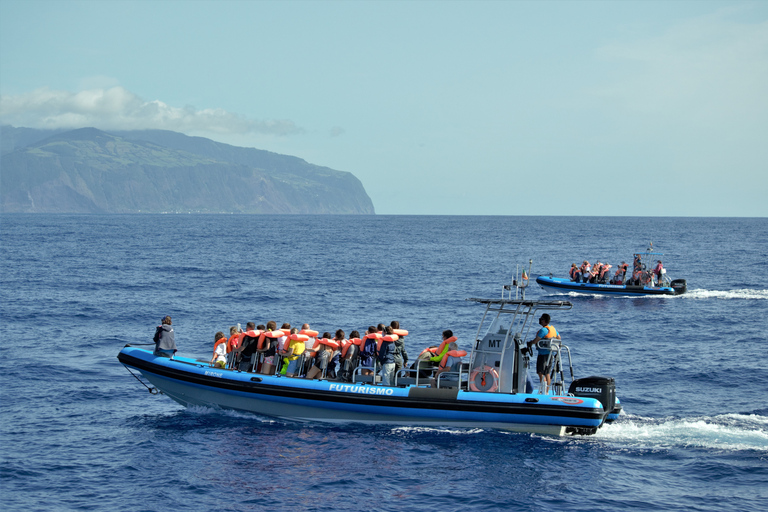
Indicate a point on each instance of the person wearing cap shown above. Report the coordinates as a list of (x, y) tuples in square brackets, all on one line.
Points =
[(543, 342), (165, 340)]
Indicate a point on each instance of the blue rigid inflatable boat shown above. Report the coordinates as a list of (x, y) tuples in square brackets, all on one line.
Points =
[(559, 284), (492, 390), (643, 279)]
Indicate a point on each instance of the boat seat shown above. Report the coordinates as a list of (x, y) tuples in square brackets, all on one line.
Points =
[(357, 375), (458, 379), (366, 379)]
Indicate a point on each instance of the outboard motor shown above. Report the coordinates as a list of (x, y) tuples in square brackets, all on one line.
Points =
[(679, 286), (601, 388)]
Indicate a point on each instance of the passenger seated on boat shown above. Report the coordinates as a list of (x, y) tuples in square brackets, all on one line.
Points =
[(574, 273), (368, 351), (451, 362), (401, 356), (585, 268), (595, 272), (424, 365), (323, 357), (165, 339), (621, 273), (232, 343), (268, 347), (637, 271), (386, 356), (247, 347), (293, 351), (449, 343), (604, 273), (543, 342), (335, 364), (219, 358), (282, 344), (349, 354)]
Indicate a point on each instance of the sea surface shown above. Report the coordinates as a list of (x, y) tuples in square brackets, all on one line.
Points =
[(79, 432)]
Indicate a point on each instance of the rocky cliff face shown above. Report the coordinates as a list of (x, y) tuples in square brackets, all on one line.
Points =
[(91, 171)]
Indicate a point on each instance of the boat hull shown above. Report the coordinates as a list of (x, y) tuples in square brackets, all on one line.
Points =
[(566, 285), (192, 383)]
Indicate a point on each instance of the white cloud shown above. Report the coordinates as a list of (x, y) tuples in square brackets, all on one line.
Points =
[(115, 108)]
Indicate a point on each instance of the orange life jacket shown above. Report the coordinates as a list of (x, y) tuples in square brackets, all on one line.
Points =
[(234, 341), (268, 334), (218, 342), (445, 343), (388, 338), (452, 353)]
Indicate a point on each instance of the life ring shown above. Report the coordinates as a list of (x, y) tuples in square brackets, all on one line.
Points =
[(483, 384)]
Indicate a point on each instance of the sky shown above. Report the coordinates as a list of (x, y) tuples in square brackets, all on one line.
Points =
[(646, 108)]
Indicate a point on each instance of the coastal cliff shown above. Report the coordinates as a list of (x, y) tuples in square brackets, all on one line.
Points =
[(156, 171)]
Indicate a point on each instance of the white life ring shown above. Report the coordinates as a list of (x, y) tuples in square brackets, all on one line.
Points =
[(483, 384)]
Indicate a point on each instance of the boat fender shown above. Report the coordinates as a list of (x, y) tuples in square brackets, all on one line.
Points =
[(484, 378), (452, 353)]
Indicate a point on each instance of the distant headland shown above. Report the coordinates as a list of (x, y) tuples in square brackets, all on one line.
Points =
[(158, 171)]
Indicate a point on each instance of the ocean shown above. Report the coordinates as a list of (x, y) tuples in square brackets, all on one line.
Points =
[(80, 433)]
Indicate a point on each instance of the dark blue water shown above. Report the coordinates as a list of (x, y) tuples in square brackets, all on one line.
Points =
[(80, 433)]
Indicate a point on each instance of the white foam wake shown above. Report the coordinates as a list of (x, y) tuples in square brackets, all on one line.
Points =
[(726, 294), (727, 432)]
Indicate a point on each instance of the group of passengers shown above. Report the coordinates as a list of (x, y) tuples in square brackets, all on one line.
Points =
[(599, 273), (379, 354)]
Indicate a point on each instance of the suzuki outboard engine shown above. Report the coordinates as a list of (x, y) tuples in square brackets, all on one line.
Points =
[(679, 285), (601, 388)]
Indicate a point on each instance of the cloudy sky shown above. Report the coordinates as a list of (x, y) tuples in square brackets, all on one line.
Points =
[(447, 107)]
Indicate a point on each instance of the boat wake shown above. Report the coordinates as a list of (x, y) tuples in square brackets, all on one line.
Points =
[(437, 430), (726, 432), (726, 294)]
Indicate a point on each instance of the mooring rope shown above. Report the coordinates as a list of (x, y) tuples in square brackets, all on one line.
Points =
[(153, 391)]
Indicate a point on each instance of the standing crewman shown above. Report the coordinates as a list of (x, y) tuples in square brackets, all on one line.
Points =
[(543, 342)]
